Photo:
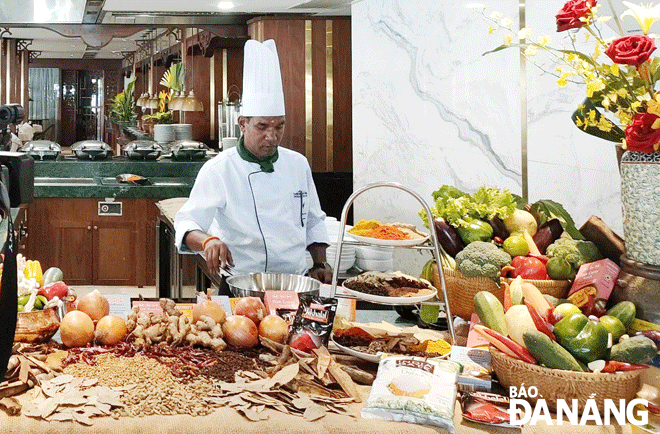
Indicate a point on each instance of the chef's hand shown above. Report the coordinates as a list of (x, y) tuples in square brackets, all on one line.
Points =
[(322, 274), (217, 256)]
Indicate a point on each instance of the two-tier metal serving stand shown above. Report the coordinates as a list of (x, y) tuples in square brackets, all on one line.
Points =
[(431, 245)]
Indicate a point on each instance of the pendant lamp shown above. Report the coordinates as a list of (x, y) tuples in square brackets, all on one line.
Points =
[(191, 103)]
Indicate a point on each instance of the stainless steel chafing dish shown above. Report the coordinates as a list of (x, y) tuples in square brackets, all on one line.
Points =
[(42, 149), (143, 150), (91, 150), (188, 150)]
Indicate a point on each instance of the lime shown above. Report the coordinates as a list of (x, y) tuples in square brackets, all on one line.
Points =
[(559, 269), (614, 326), (516, 245), (23, 299), (429, 313), (564, 310)]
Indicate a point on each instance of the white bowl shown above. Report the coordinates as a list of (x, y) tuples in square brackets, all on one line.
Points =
[(378, 253), (344, 265), (346, 249), (374, 264)]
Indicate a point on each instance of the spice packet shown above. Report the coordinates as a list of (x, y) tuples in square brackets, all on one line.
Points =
[(415, 390), (282, 303), (486, 408), (313, 322)]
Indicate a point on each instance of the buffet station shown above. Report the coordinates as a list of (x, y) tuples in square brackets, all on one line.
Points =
[(516, 323)]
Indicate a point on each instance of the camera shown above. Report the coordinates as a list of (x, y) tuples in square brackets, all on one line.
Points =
[(9, 114)]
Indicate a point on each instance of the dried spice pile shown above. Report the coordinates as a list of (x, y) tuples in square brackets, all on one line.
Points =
[(154, 390), (66, 398)]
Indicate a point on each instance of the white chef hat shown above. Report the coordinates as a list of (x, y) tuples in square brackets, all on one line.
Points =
[(262, 80)]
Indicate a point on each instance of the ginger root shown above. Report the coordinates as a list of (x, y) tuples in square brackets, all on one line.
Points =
[(172, 328)]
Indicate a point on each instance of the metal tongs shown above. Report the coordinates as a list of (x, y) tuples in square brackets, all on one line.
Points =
[(227, 271)]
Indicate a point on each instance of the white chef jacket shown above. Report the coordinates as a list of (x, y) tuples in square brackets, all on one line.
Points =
[(267, 220)]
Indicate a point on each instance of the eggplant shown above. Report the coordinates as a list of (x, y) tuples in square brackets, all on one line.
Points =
[(654, 335), (547, 234), (499, 229), (448, 237)]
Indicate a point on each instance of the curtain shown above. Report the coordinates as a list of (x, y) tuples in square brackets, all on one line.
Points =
[(44, 92)]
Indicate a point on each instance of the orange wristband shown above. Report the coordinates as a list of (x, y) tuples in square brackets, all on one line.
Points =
[(207, 240)]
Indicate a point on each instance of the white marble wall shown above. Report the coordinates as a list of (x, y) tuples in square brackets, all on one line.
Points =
[(430, 109)]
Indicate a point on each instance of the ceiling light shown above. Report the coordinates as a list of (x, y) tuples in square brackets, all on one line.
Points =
[(225, 5)]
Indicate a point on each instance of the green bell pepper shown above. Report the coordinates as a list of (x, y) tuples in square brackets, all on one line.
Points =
[(478, 230), (585, 339)]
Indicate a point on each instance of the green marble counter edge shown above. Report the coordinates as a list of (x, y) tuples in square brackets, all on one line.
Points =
[(67, 168)]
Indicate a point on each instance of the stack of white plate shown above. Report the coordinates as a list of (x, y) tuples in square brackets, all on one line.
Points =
[(183, 131), (164, 133), (347, 258), (347, 251), (371, 258)]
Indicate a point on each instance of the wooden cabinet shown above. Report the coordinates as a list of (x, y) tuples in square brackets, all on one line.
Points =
[(93, 249)]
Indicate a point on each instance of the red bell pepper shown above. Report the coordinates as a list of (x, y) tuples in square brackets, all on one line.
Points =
[(541, 258), (653, 408), (55, 289), (518, 350), (539, 322), (528, 267), (614, 366)]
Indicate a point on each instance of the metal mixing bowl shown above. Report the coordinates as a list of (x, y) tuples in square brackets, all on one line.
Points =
[(256, 284)]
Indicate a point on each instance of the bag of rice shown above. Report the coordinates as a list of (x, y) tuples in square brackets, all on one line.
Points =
[(415, 390)]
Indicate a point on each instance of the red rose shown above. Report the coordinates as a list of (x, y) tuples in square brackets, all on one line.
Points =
[(640, 137), (631, 50), (569, 16)]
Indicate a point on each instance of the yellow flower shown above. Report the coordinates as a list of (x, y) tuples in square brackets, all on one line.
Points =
[(530, 51), (524, 33), (656, 124), (544, 40), (506, 22), (495, 15), (507, 40), (614, 69), (490, 29), (653, 106), (561, 82), (645, 15)]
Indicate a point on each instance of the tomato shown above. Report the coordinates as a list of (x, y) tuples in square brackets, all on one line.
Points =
[(528, 267)]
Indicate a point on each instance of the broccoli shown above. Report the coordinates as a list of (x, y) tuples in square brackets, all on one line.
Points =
[(576, 252), (482, 259)]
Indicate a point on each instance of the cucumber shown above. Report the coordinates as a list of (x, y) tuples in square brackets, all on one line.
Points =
[(638, 349), (625, 311), (549, 353), (53, 274), (490, 311)]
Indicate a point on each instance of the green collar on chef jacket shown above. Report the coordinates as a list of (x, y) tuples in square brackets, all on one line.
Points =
[(266, 163)]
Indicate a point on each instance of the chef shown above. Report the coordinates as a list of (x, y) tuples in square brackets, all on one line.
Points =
[(254, 207)]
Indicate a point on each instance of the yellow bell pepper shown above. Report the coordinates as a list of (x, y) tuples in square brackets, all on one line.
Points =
[(33, 269)]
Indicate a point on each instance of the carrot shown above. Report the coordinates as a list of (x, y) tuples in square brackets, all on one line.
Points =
[(507, 296)]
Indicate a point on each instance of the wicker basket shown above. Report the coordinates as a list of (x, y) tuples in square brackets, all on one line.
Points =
[(558, 383), (556, 288), (461, 290)]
